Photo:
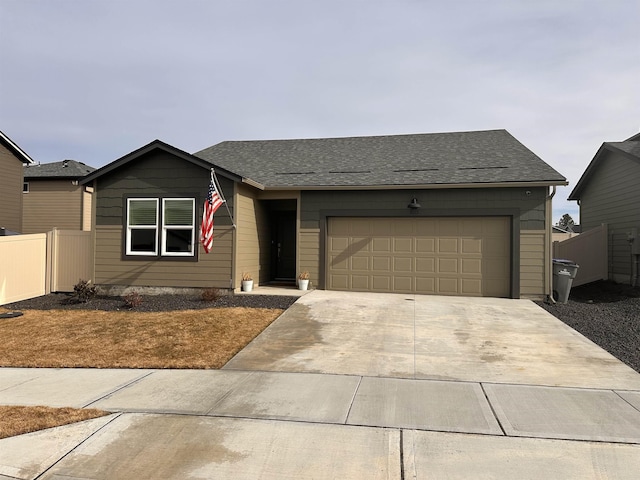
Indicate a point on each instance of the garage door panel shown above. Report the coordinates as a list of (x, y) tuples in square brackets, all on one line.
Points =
[(447, 245), (402, 228), (339, 262), (381, 245), (381, 283), (381, 264), (495, 247), (360, 226), (360, 282), (447, 256), (471, 245), (339, 282), (471, 287), (403, 264), (448, 265), (360, 263), (448, 286), (402, 284), (339, 227), (425, 245), (426, 265), (425, 285), (471, 266), (339, 243), (402, 245), (426, 227)]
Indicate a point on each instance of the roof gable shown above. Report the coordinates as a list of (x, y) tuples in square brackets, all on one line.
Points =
[(15, 149), (63, 169), (630, 148), (150, 147), (482, 157)]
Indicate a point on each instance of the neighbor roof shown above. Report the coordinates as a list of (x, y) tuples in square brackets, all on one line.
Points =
[(480, 157), (63, 169), (630, 148), (15, 149)]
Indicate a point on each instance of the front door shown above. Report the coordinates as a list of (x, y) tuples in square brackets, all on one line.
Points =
[(283, 245)]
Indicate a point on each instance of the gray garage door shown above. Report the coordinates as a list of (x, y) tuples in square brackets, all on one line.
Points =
[(444, 256)]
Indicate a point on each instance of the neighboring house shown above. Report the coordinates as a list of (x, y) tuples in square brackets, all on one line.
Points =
[(465, 213), (608, 193), (12, 158), (54, 198), (560, 234)]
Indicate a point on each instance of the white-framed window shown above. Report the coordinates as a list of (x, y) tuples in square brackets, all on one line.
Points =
[(142, 226), (25, 187), (165, 229), (178, 227)]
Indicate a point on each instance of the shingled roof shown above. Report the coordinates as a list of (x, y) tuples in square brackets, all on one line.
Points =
[(480, 157), (63, 169), (630, 148)]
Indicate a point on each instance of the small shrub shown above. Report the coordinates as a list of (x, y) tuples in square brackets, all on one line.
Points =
[(304, 275), (83, 291), (211, 294), (132, 299)]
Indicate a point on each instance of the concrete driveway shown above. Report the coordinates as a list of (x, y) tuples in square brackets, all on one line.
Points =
[(432, 337), (353, 385)]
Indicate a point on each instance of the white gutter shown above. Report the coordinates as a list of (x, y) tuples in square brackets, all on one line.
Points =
[(549, 244)]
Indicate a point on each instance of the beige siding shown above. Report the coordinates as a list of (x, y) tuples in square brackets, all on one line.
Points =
[(533, 266), (211, 270), (612, 197), (52, 204), (248, 220), (11, 175), (87, 198), (309, 248)]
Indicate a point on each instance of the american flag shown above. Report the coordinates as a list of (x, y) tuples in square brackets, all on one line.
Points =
[(211, 204)]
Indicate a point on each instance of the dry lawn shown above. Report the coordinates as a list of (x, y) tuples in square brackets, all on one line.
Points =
[(128, 339), (19, 420)]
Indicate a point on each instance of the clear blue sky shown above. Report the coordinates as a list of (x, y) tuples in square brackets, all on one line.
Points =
[(92, 80)]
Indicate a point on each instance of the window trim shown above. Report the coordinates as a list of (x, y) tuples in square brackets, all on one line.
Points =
[(25, 187), (165, 227), (160, 252), (128, 250)]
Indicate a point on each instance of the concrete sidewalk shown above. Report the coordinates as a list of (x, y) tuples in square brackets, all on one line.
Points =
[(325, 399)]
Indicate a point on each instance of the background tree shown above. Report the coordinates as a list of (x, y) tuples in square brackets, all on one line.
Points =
[(566, 221)]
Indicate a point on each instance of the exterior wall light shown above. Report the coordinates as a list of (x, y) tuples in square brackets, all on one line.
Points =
[(414, 205)]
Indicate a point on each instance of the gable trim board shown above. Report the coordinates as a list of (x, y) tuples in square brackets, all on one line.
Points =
[(505, 189)]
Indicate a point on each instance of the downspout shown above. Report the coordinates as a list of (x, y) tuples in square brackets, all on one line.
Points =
[(549, 245)]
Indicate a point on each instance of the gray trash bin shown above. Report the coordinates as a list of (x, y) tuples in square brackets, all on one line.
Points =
[(564, 271)]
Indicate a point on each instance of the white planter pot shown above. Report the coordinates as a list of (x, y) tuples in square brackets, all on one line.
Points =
[(247, 285), (303, 284)]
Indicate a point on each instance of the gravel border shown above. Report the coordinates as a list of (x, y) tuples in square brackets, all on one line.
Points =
[(152, 303), (606, 313)]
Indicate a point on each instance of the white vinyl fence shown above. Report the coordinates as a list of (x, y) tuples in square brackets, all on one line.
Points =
[(40, 263), (589, 251)]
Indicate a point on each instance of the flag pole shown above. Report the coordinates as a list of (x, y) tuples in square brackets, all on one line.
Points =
[(215, 181)]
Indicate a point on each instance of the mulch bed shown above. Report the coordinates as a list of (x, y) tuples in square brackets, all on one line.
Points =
[(151, 303)]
